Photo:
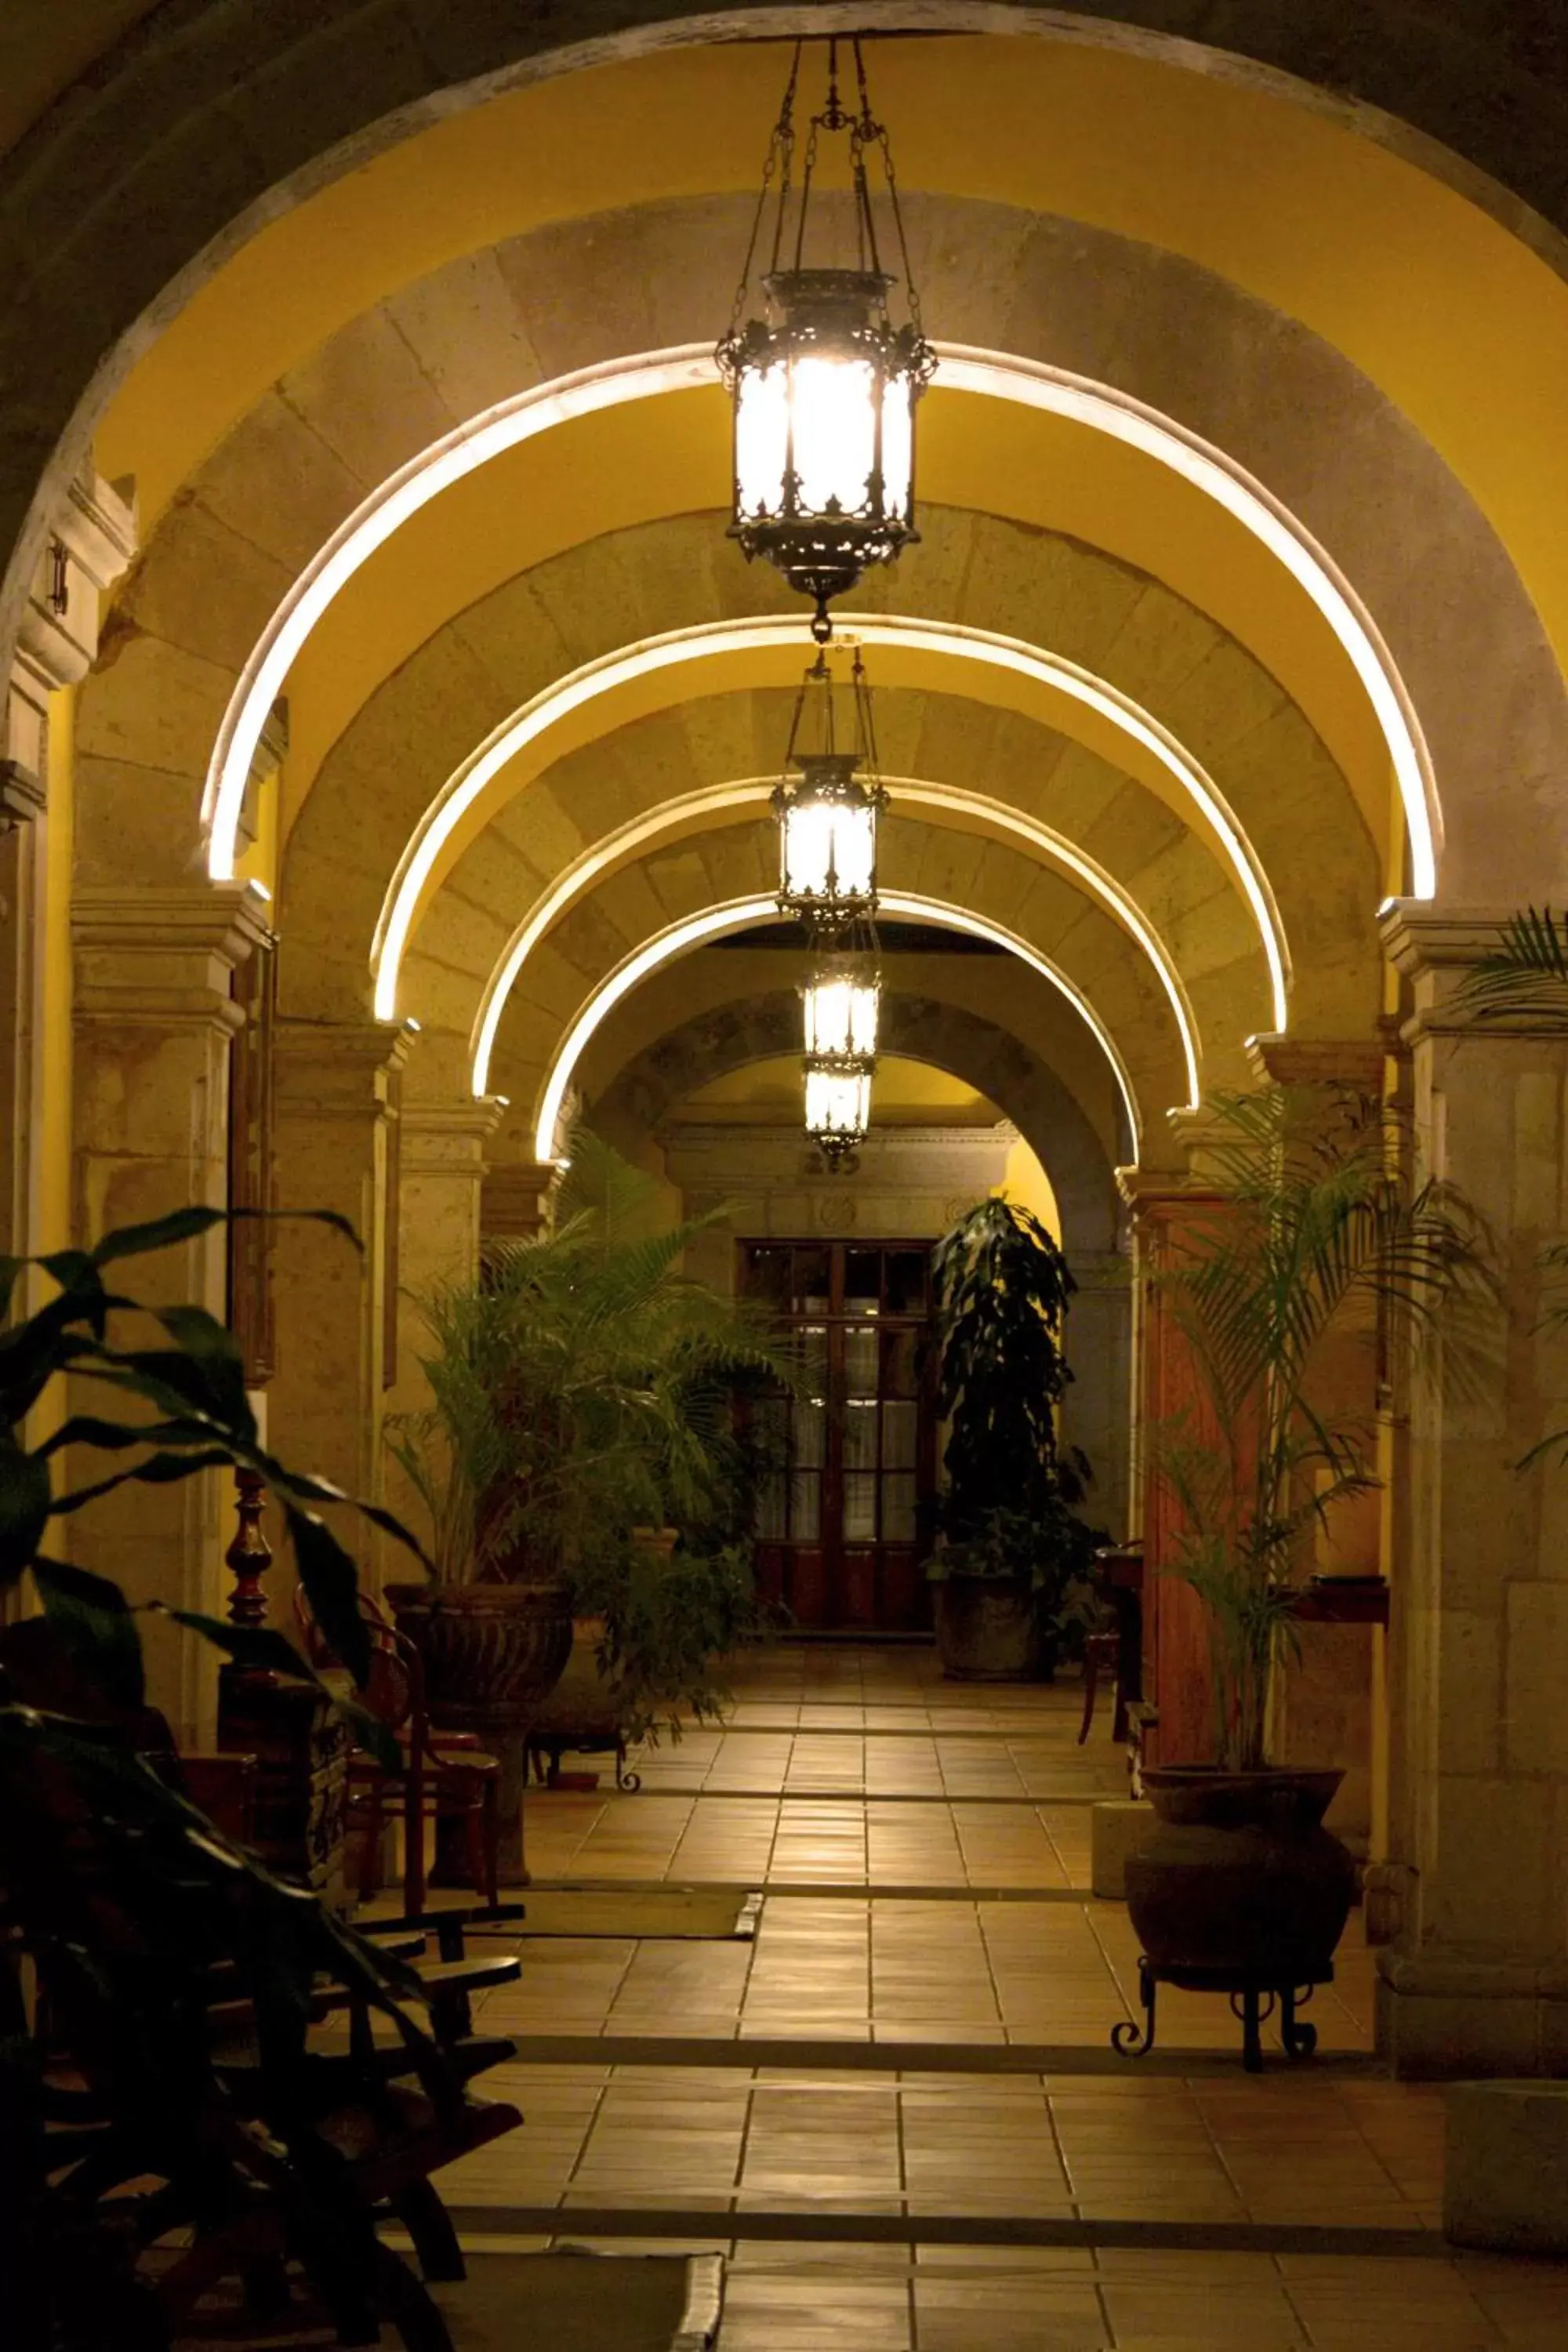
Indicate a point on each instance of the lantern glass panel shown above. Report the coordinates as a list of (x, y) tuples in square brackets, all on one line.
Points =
[(841, 1015), (762, 439), (834, 403), (899, 393), (829, 847), (837, 1102)]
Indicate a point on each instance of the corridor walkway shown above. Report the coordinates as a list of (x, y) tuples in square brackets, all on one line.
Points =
[(895, 2111)]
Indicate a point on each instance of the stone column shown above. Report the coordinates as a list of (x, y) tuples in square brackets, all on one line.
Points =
[(1178, 1681), (154, 1020), (441, 1172), (335, 1113), (1096, 1411), (21, 985), (93, 540), (1476, 1979), (1330, 1705)]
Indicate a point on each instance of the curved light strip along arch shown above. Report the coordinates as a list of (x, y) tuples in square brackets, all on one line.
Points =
[(737, 915), (462, 789), (989, 375), (674, 814)]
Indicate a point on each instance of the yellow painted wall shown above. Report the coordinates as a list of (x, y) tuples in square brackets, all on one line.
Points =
[(904, 1093), (1024, 1180)]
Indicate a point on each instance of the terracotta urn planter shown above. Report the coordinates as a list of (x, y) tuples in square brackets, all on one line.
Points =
[(491, 1654), (987, 1628), (1240, 1877)]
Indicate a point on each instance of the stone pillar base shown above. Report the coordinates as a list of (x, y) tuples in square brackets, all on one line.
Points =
[(1506, 2174), (1443, 2020), (1117, 1828)]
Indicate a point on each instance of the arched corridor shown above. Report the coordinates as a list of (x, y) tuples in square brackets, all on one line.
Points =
[(389, 793)]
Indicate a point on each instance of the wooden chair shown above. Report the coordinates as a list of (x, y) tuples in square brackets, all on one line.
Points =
[(445, 1776)]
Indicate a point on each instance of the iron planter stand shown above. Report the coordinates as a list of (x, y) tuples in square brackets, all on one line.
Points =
[(1251, 2000)]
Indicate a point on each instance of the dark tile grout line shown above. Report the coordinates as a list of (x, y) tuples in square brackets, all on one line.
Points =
[(876, 1797), (817, 1890), (815, 2227), (799, 2054), (868, 1731)]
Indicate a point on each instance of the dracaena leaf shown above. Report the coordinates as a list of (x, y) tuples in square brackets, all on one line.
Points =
[(158, 1233), (258, 1646), (203, 1341), (332, 1588), (91, 1615), (163, 1469), (24, 1507)]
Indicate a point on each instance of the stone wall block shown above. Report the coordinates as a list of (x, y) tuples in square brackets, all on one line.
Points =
[(1535, 1713)]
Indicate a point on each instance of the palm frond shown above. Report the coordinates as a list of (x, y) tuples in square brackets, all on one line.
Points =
[(1526, 978)]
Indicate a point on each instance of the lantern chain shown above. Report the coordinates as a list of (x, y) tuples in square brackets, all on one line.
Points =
[(779, 162)]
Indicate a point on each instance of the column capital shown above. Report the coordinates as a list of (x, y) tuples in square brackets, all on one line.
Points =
[(22, 794), (515, 1202), (163, 958), (448, 1138), (1436, 949), (91, 541), (337, 1069), (1420, 937), (1354, 1062), (1150, 1193)]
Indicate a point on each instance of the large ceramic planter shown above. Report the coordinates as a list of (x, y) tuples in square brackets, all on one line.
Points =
[(1240, 1877), (987, 1628), (492, 1654)]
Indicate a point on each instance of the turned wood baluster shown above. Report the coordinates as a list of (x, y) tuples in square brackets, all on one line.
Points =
[(249, 1556)]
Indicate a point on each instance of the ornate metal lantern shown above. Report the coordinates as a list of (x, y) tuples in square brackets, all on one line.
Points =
[(837, 1108), (824, 384), (841, 1001), (827, 819), (842, 998)]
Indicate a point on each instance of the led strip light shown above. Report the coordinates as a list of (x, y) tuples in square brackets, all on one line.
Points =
[(736, 915), (616, 848), (987, 375)]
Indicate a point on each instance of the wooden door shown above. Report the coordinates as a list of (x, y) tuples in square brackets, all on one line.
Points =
[(844, 1518)]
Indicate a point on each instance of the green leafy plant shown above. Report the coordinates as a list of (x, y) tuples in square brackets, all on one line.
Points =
[(1321, 1244), (582, 1389), (113, 1883), (1525, 979), (1001, 1290)]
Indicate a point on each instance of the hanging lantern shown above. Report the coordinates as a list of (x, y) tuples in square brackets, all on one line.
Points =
[(837, 1108), (841, 1001), (827, 819), (823, 384)]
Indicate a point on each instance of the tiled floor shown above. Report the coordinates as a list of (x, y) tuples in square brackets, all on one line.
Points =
[(925, 1852)]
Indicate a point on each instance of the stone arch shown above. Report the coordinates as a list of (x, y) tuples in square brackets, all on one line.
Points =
[(1296, 415), (192, 127), (628, 1103), (921, 1029)]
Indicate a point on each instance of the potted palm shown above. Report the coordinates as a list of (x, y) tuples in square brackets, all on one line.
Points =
[(574, 1456), (1011, 1541), (1320, 1242)]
